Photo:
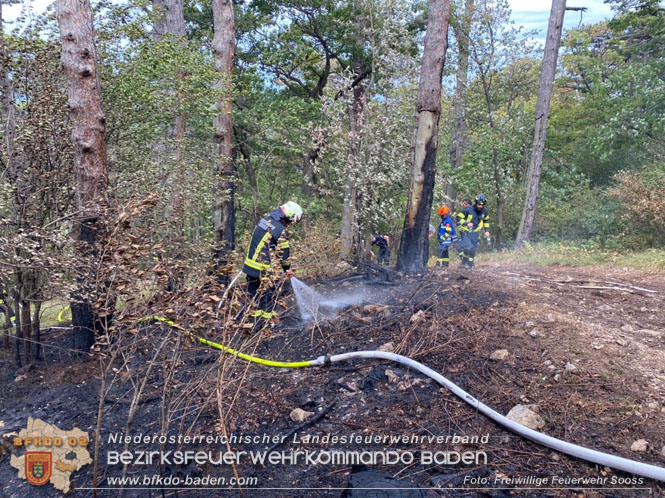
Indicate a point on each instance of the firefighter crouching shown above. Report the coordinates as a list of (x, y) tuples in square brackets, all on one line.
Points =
[(268, 237), (471, 221)]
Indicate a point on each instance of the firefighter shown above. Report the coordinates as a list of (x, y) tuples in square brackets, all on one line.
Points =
[(268, 237), (446, 235), (459, 219), (472, 220), (383, 243)]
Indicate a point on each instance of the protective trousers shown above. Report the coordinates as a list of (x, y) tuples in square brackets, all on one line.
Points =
[(264, 299), (469, 247), (384, 256), (443, 257)]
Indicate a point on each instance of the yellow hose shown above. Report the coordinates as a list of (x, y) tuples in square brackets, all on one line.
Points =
[(226, 349)]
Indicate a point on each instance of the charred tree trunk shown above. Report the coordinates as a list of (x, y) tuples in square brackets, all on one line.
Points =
[(462, 28), (90, 163), (547, 74), (414, 242), (225, 169)]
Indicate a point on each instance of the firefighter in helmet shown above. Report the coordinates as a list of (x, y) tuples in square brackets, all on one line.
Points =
[(446, 235), (472, 220), (269, 238)]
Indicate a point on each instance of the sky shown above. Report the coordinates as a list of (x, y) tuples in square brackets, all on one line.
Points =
[(532, 14)]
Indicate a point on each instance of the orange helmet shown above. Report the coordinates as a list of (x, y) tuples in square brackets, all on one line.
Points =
[(443, 210)]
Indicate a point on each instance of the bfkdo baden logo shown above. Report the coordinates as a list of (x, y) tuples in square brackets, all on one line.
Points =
[(51, 455), (38, 467)]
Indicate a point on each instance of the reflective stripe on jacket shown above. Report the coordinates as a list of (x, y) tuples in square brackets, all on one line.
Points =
[(447, 232), (479, 220), (265, 240)]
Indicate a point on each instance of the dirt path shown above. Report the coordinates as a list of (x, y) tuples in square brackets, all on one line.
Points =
[(586, 345)]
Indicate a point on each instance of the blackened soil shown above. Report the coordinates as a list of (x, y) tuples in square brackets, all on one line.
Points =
[(591, 359)]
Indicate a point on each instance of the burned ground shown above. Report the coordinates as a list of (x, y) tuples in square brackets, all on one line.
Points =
[(587, 346)]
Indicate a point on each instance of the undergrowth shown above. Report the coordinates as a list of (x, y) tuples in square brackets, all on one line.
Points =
[(579, 255)]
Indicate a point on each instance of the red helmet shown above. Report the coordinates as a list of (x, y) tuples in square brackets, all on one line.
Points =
[(443, 210)]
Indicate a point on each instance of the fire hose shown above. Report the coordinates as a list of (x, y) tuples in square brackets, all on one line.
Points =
[(590, 455)]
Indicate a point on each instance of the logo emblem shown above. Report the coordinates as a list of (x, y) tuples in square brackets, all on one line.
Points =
[(38, 467)]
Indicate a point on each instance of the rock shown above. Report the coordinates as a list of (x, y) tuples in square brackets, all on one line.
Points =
[(523, 414), (551, 367), (547, 363), (377, 309), (653, 405), (348, 383), (499, 355), (393, 378), (300, 415), (535, 333), (417, 317), (343, 266), (557, 378), (529, 324), (639, 445), (555, 457), (597, 346), (652, 333), (627, 328), (605, 307), (622, 342), (570, 367), (388, 347)]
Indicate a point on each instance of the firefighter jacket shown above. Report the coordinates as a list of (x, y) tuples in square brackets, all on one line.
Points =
[(265, 240), (447, 233), (479, 219), (380, 241)]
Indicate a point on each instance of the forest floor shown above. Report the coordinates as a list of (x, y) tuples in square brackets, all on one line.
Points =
[(585, 345)]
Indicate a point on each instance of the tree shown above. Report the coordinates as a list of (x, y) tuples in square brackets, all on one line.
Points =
[(461, 25), (413, 246), (79, 62), (223, 44), (547, 74)]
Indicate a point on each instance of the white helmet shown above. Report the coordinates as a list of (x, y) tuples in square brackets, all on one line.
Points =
[(292, 211)]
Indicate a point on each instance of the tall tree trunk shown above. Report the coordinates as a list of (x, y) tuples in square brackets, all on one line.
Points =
[(356, 110), (158, 19), (547, 74), (36, 332), (174, 23), (350, 189), (8, 107), (240, 133), (26, 328), (224, 50), (90, 162), (414, 242), (498, 190), (18, 334), (462, 28)]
